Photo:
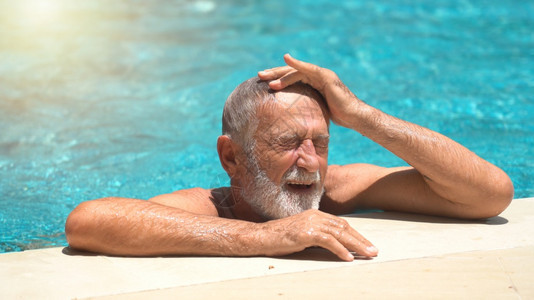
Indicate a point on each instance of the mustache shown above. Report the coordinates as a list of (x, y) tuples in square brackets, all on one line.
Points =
[(298, 174)]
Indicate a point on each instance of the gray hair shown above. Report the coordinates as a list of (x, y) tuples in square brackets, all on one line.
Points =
[(239, 120), (239, 113)]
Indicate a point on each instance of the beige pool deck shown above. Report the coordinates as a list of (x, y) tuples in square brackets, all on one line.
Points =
[(420, 257)]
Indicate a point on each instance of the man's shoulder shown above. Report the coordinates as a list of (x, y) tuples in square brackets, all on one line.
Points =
[(195, 200), (344, 186), (361, 170)]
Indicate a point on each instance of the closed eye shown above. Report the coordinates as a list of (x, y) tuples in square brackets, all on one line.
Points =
[(287, 142), (321, 142)]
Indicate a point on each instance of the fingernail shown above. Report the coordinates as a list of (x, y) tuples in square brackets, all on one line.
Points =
[(372, 249)]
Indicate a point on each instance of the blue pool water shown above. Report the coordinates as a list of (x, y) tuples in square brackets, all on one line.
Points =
[(124, 98)]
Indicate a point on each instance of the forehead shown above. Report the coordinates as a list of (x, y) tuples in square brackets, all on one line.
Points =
[(293, 111)]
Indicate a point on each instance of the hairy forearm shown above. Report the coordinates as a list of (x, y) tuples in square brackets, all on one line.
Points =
[(450, 170), (132, 227)]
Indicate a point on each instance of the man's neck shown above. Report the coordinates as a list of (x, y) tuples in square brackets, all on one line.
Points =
[(242, 210), (230, 204)]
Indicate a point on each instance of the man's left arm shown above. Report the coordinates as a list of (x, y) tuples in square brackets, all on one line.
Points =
[(445, 178)]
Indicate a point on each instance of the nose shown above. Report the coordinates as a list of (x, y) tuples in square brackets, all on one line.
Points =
[(307, 157)]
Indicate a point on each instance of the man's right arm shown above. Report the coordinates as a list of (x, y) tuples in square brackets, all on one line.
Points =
[(131, 227)]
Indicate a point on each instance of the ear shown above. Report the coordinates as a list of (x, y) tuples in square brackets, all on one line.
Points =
[(227, 154)]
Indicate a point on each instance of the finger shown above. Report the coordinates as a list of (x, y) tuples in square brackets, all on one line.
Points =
[(357, 243), (300, 65), (362, 248), (331, 244), (351, 239), (274, 73), (286, 80)]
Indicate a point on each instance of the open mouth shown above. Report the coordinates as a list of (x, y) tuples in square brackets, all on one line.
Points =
[(300, 186)]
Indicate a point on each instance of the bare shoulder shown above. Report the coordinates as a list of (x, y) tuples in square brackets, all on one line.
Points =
[(194, 200), (352, 179), (365, 172), (349, 187)]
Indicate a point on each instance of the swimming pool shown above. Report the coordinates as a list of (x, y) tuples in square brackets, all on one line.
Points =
[(124, 98)]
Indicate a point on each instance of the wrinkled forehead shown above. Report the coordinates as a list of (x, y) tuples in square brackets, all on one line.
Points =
[(292, 112), (295, 101)]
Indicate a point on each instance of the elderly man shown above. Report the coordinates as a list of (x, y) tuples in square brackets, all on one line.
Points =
[(283, 196)]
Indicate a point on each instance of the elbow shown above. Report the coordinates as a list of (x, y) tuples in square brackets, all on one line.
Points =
[(78, 225), (498, 196), (504, 194), (74, 226)]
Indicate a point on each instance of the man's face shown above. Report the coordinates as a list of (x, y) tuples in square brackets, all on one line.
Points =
[(287, 166)]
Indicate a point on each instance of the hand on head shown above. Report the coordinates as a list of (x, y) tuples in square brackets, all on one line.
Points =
[(340, 100)]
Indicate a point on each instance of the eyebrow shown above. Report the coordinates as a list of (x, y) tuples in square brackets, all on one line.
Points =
[(322, 136), (296, 135)]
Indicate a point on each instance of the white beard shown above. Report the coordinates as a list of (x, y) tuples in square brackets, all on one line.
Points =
[(274, 202)]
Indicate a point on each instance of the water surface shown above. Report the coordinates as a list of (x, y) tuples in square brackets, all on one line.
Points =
[(124, 98)]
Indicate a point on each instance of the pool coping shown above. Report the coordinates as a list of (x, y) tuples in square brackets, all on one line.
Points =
[(491, 258)]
